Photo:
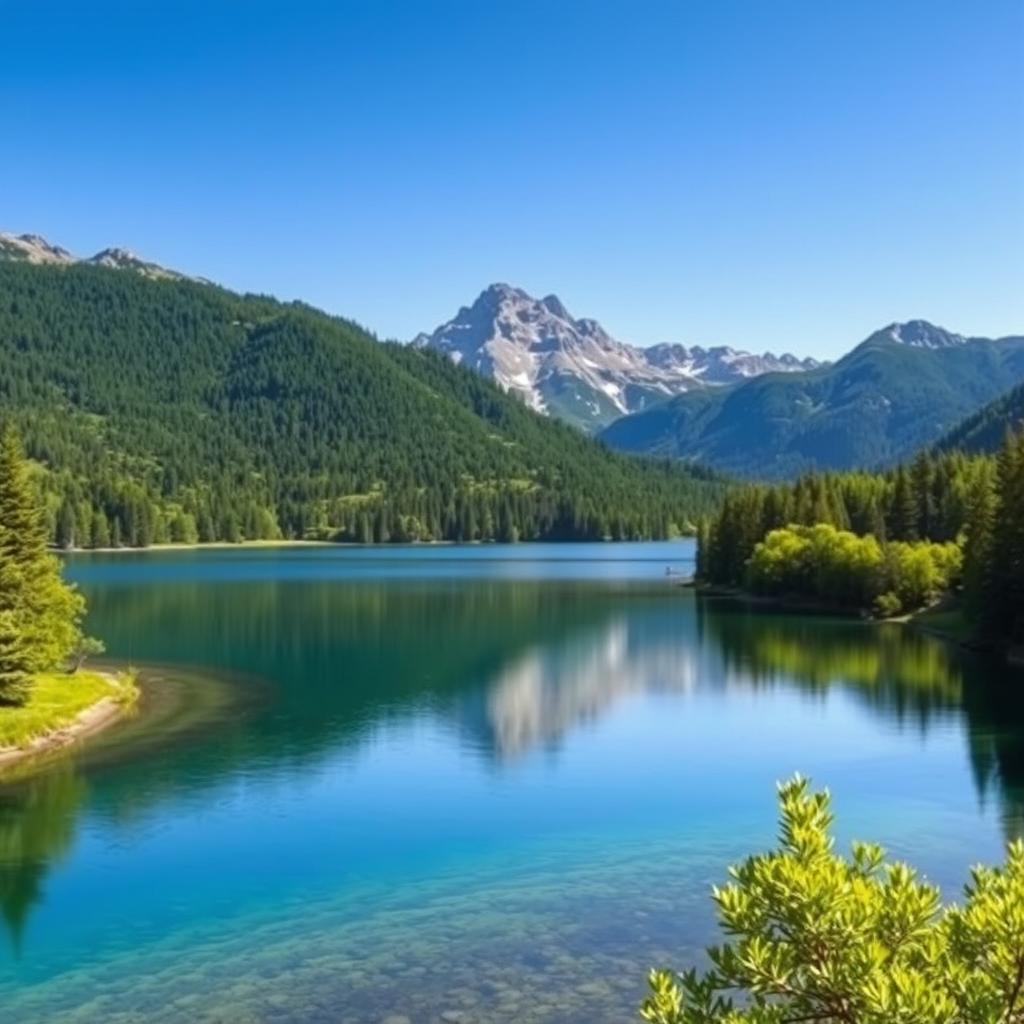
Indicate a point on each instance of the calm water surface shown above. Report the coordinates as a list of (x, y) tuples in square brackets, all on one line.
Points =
[(487, 783)]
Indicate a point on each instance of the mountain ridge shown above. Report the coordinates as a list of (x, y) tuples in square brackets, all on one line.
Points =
[(573, 368), (37, 250), (900, 389)]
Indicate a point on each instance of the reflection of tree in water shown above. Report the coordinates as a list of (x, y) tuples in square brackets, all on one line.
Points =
[(37, 826), (995, 716), (897, 671), (892, 668)]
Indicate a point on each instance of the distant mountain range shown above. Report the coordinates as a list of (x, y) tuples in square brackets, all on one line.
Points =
[(907, 386), (37, 250), (574, 369), (901, 389)]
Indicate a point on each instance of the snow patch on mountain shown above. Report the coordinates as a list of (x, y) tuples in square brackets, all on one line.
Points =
[(576, 370), (921, 334)]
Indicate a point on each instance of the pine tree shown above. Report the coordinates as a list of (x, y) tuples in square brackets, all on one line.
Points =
[(45, 609), (15, 661), (923, 481), (903, 511), (978, 549), (1005, 605), (703, 544)]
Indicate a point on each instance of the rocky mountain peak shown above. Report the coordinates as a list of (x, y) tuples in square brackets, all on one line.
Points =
[(922, 334), (575, 369), (553, 304), (32, 249), (115, 257)]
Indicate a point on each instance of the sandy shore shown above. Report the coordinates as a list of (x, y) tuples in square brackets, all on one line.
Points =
[(92, 720)]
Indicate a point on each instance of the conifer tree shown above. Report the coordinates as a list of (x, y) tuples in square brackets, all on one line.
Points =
[(978, 542), (1005, 606), (43, 608), (15, 661), (904, 511)]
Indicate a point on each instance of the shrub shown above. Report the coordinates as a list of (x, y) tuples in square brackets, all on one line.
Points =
[(841, 569), (817, 937), (887, 605)]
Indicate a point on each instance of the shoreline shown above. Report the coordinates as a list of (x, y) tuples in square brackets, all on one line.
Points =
[(212, 545), (805, 606), (921, 621), (249, 545), (91, 720)]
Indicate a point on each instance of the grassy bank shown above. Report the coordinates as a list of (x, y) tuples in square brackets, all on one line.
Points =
[(57, 701)]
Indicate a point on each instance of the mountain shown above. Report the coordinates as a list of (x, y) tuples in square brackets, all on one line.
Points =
[(162, 408), (985, 430), (37, 250), (573, 369), (898, 391)]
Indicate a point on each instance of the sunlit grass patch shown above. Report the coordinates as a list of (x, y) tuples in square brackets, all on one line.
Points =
[(57, 700)]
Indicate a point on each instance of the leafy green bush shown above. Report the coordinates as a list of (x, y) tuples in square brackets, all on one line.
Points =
[(918, 572), (839, 568), (887, 605), (816, 937)]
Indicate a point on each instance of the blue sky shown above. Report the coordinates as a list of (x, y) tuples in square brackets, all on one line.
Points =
[(781, 174)]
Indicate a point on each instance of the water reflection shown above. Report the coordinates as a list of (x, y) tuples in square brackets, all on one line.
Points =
[(510, 666), (37, 827)]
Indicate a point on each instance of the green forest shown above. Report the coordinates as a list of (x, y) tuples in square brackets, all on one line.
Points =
[(176, 411), (886, 543)]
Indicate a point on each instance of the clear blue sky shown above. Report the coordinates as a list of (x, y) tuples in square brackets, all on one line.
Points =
[(766, 174)]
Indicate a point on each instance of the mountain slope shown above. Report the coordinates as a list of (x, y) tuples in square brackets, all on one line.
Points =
[(573, 369), (168, 409), (37, 250), (895, 392), (985, 430)]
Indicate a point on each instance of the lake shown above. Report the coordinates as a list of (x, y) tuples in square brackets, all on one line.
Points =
[(460, 784)]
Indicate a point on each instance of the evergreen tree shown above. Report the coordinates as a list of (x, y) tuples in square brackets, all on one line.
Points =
[(15, 661), (1005, 607), (903, 515), (41, 606), (978, 548), (922, 473)]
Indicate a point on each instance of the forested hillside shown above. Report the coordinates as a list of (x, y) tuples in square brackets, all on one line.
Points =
[(986, 429), (895, 393), (172, 410), (886, 543)]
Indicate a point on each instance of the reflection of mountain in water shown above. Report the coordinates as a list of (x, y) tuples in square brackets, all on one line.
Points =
[(549, 690), (515, 665), (537, 698)]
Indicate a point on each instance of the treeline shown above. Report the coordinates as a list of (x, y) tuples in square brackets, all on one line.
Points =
[(175, 411), (40, 614), (887, 542)]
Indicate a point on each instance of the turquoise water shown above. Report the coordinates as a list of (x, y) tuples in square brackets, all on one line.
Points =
[(488, 783)]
